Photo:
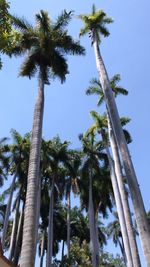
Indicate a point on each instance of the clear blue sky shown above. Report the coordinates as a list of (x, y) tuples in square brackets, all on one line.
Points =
[(67, 107)]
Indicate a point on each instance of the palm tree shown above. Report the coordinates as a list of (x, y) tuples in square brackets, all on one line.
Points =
[(57, 156), (46, 45), (95, 24), (94, 161), (114, 231), (17, 155), (71, 185), (103, 122)]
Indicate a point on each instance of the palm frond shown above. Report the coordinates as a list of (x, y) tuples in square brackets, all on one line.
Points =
[(43, 21), (124, 120), (21, 23), (59, 66), (63, 20), (69, 46), (92, 90), (104, 31), (28, 68), (127, 136)]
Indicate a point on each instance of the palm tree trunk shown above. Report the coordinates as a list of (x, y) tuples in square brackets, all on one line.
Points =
[(50, 228), (62, 253), (68, 223), (14, 230), (122, 251), (96, 232), (124, 199), (120, 211), (28, 250), (19, 237), (94, 252), (42, 249), (38, 209), (140, 213), (8, 209)]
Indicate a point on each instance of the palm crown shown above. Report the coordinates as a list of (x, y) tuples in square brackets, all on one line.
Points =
[(46, 45), (95, 22), (96, 88)]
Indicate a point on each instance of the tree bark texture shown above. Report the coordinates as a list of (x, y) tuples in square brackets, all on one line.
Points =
[(120, 211), (68, 223), (140, 213), (29, 230), (93, 244), (8, 210), (124, 198), (50, 228), (14, 230)]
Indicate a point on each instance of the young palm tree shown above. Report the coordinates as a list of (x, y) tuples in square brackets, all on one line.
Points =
[(114, 232), (46, 45), (18, 155), (95, 24), (99, 127), (103, 122)]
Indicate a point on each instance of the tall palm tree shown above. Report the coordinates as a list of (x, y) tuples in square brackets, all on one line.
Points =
[(71, 185), (46, 45), (57, 156), (101, 123), (94, 161), (95, 24)]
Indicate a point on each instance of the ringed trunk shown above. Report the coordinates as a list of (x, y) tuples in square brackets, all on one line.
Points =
[(140, 213), (29, 230), (124, 199), (8, 210), (68, 223), (50, 228), (120, 211), (14, 230), (93, 243)]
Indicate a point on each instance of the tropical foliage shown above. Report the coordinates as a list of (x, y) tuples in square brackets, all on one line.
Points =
[(55, 200)]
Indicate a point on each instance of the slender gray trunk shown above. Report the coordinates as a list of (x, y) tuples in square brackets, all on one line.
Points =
[(93, 246), (8, 210), (14, 230), (29, 230), (38, 209), (140, 213), (96, 232), (50, 228), (42, 249), (121, 245), (68, 223), (124, 199), (62, 253), (120, 210), (19, 237)]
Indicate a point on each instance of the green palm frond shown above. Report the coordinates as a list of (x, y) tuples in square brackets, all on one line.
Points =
[(92, 90), (127, 136), (21, 23), (43, 22), (28, 68), (46, 45), (124, 120), (63, 20), (59, 66), (96, 21), (68, 45), (101, 121)]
